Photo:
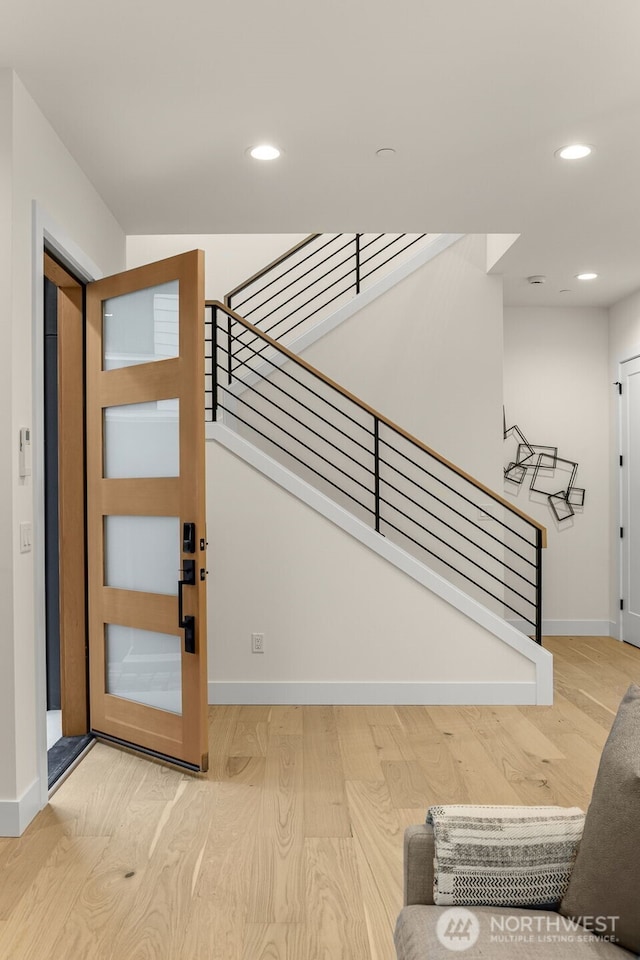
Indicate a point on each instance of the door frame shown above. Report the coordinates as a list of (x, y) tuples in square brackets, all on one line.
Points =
[(72, 580), (45, 230)]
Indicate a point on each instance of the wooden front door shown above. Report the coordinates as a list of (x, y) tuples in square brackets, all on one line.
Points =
[(146, 508)]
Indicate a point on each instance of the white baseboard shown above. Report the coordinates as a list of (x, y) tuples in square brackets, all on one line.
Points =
[(16, 815), (571, 628), (244, 692)]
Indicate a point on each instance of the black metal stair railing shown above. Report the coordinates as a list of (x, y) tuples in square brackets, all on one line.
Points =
[(405, 491), (313, 279)]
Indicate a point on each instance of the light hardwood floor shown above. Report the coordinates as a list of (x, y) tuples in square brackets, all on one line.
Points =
[(291, 847)]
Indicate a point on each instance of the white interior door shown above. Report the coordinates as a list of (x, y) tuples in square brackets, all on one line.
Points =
[(630, 521)]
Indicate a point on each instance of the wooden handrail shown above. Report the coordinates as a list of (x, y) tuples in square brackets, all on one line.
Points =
[(375, 413), (270, 266)]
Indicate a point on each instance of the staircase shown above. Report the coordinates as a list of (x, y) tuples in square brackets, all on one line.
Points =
[(422, 513), (310, 289)]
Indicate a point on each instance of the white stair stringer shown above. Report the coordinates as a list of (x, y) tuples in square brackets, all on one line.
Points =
[(538, 691)]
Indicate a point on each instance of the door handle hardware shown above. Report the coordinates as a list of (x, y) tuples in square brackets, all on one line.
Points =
[(203, 573), (203, 543), (187, 623), (188, 572)]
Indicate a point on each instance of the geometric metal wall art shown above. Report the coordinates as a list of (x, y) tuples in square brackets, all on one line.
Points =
[(542, 468)]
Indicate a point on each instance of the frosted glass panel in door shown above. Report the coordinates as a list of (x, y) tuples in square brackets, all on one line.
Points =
[(142, 439), (140, 327), (144, 666), (142, 553)]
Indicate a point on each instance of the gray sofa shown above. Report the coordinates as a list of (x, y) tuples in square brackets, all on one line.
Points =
[(603, 892)]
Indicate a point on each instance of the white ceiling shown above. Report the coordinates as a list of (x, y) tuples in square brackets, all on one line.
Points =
[(158, 100)]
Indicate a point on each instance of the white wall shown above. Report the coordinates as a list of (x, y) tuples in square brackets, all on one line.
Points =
[(229, 258), (624, 344), (331, 610), (7, 691), (557, 389), (44, 171), (428, 355), (497, 246)]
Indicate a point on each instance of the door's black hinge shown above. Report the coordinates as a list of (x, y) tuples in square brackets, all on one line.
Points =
[(622, 604), (620, 459), (621, 532)]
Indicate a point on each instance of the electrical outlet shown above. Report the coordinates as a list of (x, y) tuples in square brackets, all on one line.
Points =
[(257, 643)]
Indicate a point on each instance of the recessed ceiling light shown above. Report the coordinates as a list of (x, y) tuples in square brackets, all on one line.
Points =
[(264, 151), (385, 153), (574, 151), (586, 276)]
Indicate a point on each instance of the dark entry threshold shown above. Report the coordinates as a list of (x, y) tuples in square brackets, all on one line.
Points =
[(63, 753)]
